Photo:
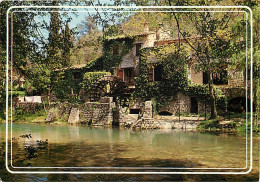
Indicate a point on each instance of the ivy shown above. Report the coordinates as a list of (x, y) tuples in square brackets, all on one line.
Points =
[(91, 78), (174, 79), (65, 83), (108, 59)]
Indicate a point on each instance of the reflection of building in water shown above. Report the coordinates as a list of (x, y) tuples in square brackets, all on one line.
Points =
[(74, 131)]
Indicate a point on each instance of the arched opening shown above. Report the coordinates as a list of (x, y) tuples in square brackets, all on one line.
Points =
[(165, 113), (238, 105), (134, 111)]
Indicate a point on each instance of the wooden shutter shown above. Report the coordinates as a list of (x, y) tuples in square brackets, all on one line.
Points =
[(150, 73)]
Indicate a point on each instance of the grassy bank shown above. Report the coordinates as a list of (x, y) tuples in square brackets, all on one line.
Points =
[(235, 122), (37, 117)]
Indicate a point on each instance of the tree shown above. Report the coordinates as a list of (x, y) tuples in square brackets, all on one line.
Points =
[(89, 46), (67, 45), (54, 45), (240, 55), (21, 43)]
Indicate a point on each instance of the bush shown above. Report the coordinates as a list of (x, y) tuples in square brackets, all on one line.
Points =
[(90, 78)]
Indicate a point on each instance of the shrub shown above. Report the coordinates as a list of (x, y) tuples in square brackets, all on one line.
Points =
[(90, 78)]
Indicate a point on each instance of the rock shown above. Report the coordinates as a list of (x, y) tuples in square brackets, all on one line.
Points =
[(166, 126)]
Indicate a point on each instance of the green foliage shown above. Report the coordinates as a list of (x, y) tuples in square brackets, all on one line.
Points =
[(93, 70), (39, 115), (89, 46), (243, 126), (65, 84), (174, 74), (67, 45), (105, 62), (17, 93), (209, 124), (55, 41), (124, 44), (108, 60), (174, 79), (91, 78)]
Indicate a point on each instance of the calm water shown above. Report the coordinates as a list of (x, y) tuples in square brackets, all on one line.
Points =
[(82, 146)]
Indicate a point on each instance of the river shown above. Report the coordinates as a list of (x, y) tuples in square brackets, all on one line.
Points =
[(94, 149)]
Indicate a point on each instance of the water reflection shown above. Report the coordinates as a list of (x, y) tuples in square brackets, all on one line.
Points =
[(89, 146), (83, 146)]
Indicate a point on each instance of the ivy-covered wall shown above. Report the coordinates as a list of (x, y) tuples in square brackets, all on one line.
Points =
[(108, 59), (174, 79), (64, 82)]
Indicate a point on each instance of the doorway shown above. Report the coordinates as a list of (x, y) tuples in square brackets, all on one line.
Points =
[(129, 76), (194, 105)]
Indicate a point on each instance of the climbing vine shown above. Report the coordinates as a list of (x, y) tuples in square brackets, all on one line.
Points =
[(91, 78), (66, 84), (174, 78), (110, 59)]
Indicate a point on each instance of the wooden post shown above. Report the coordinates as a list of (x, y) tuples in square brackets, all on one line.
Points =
[(179, 111), (205, 105)]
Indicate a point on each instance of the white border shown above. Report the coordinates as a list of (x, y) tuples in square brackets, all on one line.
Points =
[(125, 172)]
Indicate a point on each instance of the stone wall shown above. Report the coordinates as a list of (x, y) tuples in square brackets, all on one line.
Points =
[(236, 79), (151, 123), (148, 109), (29, 107), (96, 113), (182, 103), (202, 107), (196, 77), (64, 108), (233, 92)]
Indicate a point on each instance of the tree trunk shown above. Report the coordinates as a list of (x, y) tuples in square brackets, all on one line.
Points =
[(213, 108)]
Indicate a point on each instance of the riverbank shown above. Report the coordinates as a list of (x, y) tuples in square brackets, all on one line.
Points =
[(237, 122)]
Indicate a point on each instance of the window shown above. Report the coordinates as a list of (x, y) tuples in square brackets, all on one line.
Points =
[(76, 76), (220, 78), (205, 78), (138, 47), (115, 50), (134, 111), (158, 70)]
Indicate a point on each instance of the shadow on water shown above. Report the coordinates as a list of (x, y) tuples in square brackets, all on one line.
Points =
[(59, 155), (103, 148), (93, 152)]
